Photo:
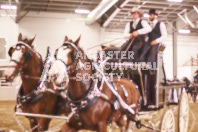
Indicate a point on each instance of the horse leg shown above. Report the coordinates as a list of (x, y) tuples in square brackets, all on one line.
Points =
[(129, 124), (122, 124), (33, 125), (66, 128), (43, 124), (102, 127)]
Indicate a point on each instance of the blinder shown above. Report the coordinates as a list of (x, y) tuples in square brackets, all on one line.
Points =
[(10, 51)]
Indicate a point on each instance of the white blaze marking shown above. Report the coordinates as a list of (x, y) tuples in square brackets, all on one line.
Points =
[(16, 55), (63, 53), (58, 68)]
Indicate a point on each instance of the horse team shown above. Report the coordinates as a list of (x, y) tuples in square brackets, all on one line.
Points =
[(92, 110)]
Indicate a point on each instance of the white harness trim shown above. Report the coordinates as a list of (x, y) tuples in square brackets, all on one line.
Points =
[(29, 47), (123, 104)]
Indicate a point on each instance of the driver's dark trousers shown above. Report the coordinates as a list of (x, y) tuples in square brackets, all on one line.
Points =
[(136, 48), (149, 55)]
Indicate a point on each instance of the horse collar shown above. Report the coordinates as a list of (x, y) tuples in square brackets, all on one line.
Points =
[(87, 101), (31, 97)]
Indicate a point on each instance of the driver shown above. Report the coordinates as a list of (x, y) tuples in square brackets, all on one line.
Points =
[(137, 27)]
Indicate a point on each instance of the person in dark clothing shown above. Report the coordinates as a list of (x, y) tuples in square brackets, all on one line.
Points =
[(196, 77), (136, 28), (149, 54), (156, 37)]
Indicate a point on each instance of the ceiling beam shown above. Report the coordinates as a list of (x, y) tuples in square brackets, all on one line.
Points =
[(21, 17), (155, 6), (49, 8), (63, 1), (57, 4), (18, 17), (113, 12), (63, 6)]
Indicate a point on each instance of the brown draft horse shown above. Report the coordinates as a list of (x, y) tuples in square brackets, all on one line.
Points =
[(97, 112), (28, 62)]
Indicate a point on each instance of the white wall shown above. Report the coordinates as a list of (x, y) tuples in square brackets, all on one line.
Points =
[(9, 30), (50, 30)]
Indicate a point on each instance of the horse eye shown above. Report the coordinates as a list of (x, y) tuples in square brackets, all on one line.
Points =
[(71, 53)]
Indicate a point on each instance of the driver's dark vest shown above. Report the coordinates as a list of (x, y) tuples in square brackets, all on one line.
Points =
[(139, 26), (196, 79), (155, 33)]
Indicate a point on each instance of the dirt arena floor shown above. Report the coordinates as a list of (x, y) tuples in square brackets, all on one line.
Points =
[(8, 123)]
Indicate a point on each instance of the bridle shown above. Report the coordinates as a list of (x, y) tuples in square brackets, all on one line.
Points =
[(70, 66), (27, 55), (82, 102), (74, 59)]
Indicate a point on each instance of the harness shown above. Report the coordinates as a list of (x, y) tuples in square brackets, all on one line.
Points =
[(93, 91), (85, 102), (30, 98), (35, 94), (70, 66)]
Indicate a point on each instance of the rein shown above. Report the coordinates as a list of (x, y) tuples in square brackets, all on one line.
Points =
[(28, 55), (8, 66), (104, 44)]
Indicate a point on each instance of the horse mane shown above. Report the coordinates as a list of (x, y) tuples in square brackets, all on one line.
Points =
[(83, 53)]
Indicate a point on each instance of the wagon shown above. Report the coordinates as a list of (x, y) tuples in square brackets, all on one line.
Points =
[(169, 98)]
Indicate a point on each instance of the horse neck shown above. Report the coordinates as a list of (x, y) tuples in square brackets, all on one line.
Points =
[(32, 68), (79, 88)]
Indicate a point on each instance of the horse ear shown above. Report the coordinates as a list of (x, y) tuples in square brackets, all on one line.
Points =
[(20, 37), (31, 40), (77, 41), (66, 39), (102, 46)]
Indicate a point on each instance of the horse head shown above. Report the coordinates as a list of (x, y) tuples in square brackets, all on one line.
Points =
[(19, 54), (65, 61), (187, 81)]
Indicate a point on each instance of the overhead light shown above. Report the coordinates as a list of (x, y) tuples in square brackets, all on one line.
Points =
[(82, 11), (8, 7), (175, 0), (146, 15), (185, 31)]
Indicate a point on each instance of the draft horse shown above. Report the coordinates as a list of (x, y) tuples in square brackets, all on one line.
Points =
[(28, 63), (92, 112)]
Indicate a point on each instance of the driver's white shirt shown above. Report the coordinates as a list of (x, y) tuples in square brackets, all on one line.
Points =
[(146, 28)]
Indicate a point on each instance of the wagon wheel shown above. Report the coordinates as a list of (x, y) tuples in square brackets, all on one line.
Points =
[(183, 116), (168, 122)]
